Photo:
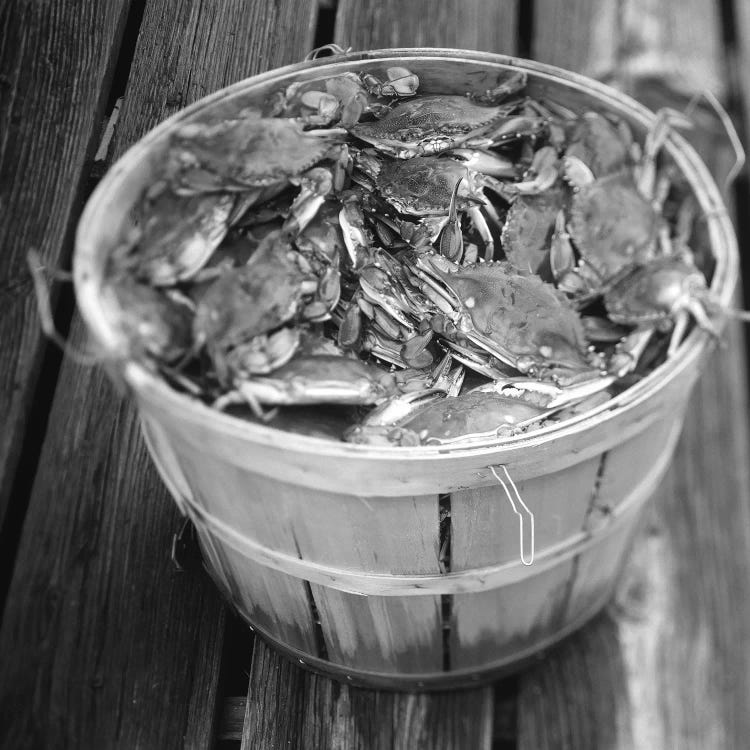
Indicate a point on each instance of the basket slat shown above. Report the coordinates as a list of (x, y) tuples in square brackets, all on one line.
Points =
[(278, 603), (496, 626), (485, 529), (380, 535)]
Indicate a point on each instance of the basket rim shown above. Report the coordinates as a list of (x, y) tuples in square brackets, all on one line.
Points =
[(87, 279)]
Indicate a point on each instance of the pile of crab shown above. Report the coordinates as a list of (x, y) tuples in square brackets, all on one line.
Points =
[(363, 262)]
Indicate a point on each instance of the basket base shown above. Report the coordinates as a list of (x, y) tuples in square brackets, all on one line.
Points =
[(434, 681)]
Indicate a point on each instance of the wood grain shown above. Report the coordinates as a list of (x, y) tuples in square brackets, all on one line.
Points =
[(489, 25), (56, 64), (620, 40), (290, 709), (666, 667), (492, 625), (103, 644)]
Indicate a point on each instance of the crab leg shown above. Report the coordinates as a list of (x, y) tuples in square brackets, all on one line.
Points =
[(481, 225), (629, 351), (559, 396), (645, 174), (315, 186)]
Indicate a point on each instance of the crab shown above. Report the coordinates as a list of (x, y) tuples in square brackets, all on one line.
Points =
[(436, 418), (382, 318), (312, 379), (603, 146), (432, 124), (319, 373), (398, 82), (323, 101), (174, 236), (615, 215), (277, 286), (664, 293), (343, 98), (515, 317), (246, 153), (529, 227), (156, 323), (428, 187)]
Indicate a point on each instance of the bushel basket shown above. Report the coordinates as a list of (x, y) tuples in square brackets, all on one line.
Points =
[(331, 551)]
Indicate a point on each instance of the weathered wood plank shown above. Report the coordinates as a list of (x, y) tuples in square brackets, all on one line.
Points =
[(472, 24), (292, 709), (665, 667), (103, 644), (56, 65), (619, 40)]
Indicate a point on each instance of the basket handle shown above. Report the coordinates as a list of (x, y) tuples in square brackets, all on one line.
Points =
[(526, 550), (334, 49)]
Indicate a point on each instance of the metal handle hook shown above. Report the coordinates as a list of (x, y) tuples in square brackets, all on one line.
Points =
[(526, 560)]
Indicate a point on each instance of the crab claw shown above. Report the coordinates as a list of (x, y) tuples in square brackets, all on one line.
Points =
[(451, 240)]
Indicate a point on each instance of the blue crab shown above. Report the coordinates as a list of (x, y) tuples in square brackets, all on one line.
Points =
[(245, 153), (431, 187), (174, 236), (320, 373), (312, 379), (432, 124), (344, 98), (515, 317), (244, 306), (615, 215), (438, 418), (156, 323)]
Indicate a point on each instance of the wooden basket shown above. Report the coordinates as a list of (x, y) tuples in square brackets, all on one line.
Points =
[(331, 550)]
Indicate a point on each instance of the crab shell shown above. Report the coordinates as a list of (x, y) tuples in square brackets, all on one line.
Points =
[(152, 322), (242, 153), (322, 378), (428, 125), (423, 186), (598, 144), (479, 414), (175, 235), (516, 317), (612, 225), (529, 226), (269, 291), (655, 291)]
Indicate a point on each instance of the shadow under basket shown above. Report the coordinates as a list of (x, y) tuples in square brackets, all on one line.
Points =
[(402, 567)]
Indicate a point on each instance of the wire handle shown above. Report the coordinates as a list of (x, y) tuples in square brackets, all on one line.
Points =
[(526, 560), (334, 49), (731, 131)]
